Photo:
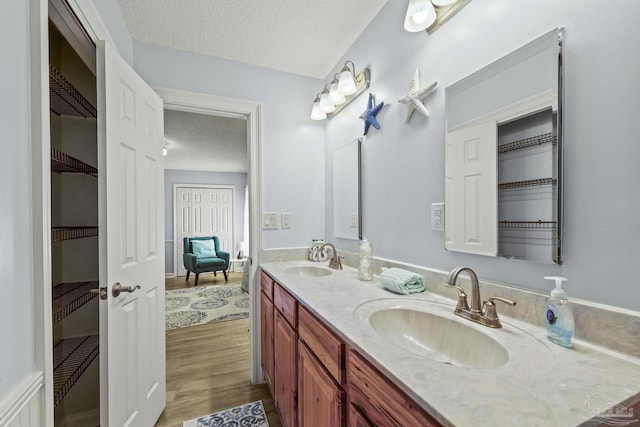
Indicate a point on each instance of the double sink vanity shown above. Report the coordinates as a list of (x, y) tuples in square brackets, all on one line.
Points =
[(340, 351)]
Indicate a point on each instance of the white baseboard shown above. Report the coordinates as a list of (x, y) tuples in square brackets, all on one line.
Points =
[(169, 275)]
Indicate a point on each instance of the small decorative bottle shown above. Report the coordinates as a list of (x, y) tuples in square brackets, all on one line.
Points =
[(365, 268)]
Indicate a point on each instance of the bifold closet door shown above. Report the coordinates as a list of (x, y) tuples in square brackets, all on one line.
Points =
[(203, 211)]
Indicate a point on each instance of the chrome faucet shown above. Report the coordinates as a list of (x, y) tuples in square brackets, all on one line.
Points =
[(484, 313), (334, 261)]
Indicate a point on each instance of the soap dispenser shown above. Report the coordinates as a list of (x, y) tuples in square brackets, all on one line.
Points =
[(558, 316)]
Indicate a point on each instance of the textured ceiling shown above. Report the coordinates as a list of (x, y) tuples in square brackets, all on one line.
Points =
[(306, 37), (205, 143)]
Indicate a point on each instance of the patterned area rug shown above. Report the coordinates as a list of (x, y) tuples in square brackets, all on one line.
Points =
[(205, 304), (249, 415)]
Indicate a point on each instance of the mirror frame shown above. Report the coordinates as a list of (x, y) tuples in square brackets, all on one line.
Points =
[(358, 188)]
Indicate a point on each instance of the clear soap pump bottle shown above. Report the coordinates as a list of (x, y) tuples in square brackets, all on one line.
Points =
[(558, 316), (365, 267)]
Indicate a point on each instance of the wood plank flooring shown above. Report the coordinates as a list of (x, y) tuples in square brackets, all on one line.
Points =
[(208, 366)]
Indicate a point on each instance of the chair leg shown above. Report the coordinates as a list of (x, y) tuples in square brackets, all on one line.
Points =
[(226, 278), (197, 276), (187, 279), (214, 274)]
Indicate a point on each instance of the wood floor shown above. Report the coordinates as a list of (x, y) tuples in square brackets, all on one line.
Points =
[(208, 366)]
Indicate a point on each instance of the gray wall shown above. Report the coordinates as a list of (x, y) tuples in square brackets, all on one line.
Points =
[(172, 176), (404, 164), (16, 307)]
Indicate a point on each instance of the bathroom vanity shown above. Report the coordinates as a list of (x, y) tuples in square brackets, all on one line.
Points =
[(335, 351)]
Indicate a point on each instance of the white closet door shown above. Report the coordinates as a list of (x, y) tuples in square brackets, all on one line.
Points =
[(131, 220), (202, 211), (471, 190)]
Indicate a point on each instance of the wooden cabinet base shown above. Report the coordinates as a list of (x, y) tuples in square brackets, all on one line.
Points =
[(378, 400)]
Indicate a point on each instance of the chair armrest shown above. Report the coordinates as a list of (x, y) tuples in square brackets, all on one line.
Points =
[(225, 256), (190, 261)]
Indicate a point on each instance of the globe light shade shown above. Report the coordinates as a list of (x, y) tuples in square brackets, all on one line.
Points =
[(325, 104), (316, 112), (335, 96), (346, 84), (420, 15), (443, 2)]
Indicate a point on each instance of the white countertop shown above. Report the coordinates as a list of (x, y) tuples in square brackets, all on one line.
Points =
[(542, 384)]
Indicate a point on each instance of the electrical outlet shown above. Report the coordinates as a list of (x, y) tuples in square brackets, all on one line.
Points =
[(437, 216), (270, 221), (286, 220)]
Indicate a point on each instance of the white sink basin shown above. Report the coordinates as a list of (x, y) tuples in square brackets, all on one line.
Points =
[(308, 271), (438, 338)]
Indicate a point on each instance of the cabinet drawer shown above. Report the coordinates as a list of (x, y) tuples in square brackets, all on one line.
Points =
[(266, 285), (380, 401), (323, 343), (285, 304)]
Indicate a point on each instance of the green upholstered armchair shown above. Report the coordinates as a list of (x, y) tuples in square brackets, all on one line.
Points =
[(204, 256)]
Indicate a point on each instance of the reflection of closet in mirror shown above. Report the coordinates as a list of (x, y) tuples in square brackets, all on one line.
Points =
[(527, 186), (347, 216), (503, 156)]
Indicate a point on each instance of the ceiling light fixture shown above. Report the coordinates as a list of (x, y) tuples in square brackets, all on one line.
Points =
[(340, 92), (430, 14)]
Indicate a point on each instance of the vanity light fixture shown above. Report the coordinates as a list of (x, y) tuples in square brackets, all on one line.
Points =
[(340, 92), (164, 150), (430, 14)]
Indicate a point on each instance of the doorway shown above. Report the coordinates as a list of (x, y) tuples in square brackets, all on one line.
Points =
[(177, 100)]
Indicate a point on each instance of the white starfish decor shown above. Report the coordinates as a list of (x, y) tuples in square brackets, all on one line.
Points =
[(413, 98)]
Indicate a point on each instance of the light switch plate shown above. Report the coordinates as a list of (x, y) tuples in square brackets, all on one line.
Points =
[(286, 219), (270, 221), (354, 220), (437, 216)]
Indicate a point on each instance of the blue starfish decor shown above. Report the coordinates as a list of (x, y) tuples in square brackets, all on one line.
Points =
[(369, 115)]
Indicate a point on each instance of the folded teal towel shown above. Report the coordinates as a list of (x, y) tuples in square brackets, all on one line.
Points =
[(402, 281)]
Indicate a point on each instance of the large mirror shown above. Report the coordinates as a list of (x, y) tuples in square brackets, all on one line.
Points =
[(347, 214), (503, 156)]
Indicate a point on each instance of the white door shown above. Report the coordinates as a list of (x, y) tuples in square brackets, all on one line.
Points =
[(203, 211), (471, 190), (131, 169)]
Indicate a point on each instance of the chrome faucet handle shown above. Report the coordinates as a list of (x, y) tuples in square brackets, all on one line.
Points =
[(490, 313), (462, 305)]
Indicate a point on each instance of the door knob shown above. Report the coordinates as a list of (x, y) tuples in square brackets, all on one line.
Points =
[(117, 288)]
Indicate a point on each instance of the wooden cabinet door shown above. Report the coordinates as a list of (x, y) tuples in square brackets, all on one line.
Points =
[(379, 400), (320, 400), (284, 380), (357, 419), (266, 338)]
